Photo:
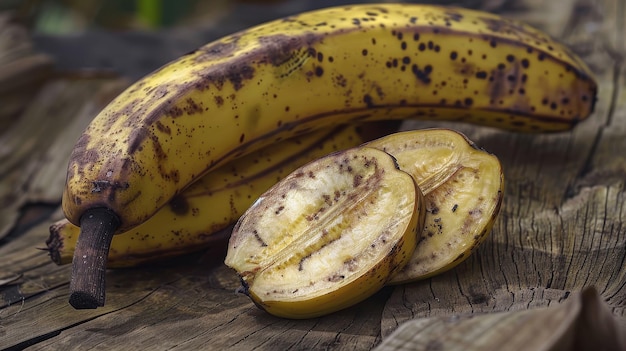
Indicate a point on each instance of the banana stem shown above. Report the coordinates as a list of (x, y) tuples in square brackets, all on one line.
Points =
[(87, 285)]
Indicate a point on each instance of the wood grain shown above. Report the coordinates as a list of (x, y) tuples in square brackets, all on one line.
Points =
[(561, 230)]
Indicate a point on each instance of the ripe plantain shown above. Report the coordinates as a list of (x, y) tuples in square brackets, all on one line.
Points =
[(190, 221), (289, 76), (463, 189), (328, 235)]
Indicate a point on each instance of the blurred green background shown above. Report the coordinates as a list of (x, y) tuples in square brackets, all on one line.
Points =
[(72, 16)]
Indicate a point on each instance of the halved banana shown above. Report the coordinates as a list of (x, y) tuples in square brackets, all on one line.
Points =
[(328, 235), (463, 187)]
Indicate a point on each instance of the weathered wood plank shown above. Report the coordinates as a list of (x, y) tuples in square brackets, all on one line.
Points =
[(34, 151), (561, 229), (180, 304), (22, 70), (192, 314)]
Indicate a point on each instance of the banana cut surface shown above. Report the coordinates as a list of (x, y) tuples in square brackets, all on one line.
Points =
[(463, 187), (328, 235)]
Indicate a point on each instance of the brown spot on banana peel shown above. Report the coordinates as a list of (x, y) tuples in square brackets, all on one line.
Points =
[(165, 129), (290, 51), (214, 50), (179, 205)]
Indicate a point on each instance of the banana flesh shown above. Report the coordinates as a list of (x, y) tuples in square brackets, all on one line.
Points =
[(191, 220), (328, 235), (463, 188)]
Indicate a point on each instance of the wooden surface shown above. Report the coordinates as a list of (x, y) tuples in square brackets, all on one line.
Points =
[(562, 227)]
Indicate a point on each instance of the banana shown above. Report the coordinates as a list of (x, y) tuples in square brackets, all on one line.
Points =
[(191, 220), (293, 75), (328, 235), (438, 159), (463, 188), (284, 262)]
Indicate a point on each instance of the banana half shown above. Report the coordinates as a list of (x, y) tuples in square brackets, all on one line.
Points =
[(463, 186), (328, 235)]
